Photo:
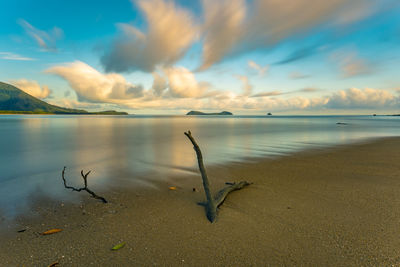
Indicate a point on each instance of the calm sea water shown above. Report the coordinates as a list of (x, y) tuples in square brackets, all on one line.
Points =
[(124, 149)]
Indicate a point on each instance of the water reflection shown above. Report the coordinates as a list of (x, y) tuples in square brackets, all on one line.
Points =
[(123, 149)]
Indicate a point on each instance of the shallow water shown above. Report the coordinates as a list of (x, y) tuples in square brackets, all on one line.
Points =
[(123, 149)]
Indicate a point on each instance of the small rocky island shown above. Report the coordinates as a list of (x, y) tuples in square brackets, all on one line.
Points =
[(194, 112)]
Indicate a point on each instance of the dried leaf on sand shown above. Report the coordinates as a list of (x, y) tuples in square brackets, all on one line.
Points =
[(52, 231)]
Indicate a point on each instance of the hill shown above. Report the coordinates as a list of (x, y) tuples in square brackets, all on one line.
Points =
[(16, 101), (194, 112)]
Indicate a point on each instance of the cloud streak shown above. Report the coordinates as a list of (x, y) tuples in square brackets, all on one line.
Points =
[(225, 29), (13, 56), (222, 29), (297, 55), (295, 75), (350, 64), (276, 93), (45, 39), (233, 27), (260, 70), (268, 94), (171, 31)]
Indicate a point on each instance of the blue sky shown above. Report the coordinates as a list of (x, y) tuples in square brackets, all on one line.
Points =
[(163, 56)]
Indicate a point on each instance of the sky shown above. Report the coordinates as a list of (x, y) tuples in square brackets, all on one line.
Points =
[(168, 57)]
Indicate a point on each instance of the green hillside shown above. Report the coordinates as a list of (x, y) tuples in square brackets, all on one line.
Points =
[(16, 101)]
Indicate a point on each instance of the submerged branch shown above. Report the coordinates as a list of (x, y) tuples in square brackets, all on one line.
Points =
[(85, 188)]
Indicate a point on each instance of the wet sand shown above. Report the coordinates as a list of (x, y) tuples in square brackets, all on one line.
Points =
[(332, 207)]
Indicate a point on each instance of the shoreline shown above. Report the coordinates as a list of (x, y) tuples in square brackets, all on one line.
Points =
[(330, 206), (57, 114)]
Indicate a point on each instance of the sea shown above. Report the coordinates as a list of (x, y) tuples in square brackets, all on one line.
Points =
[(136, 150)]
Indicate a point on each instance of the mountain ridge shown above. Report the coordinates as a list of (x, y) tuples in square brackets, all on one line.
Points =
[(15, 101)]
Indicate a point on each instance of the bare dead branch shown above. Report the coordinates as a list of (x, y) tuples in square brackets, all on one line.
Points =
[(85, 188), (212, 202), (223, 193), (211, 208)]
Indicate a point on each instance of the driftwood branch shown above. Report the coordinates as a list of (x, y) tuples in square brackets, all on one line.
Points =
[(211, 208), (85, 188), (212, 202), (222, 194)]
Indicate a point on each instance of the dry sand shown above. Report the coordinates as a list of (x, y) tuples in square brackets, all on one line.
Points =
[(333, 207)]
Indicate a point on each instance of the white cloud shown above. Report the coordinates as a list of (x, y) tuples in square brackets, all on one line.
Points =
[(348, 99), (32, 87), (177, 88), (354, 98), (93, 86), (170, 32), (246, 86), (159, 84), (183, 83), (45, 39), (351, 99), (13, 56), (260, 70)]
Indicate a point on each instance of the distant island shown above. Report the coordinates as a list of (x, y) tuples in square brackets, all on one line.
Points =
[(16, 101), (194, 112)]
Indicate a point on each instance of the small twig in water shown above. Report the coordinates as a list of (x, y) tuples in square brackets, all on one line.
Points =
[(85, 188)]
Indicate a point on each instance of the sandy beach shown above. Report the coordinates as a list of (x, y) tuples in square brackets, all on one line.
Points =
[(333, 207)]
